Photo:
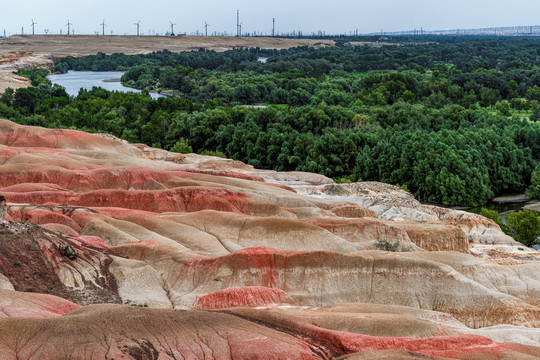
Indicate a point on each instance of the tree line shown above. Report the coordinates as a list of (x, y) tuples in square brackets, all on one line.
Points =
[(454, 132)]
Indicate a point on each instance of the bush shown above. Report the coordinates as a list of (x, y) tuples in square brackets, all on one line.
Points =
[(403, 187), (346, 179), (494, 215), (524, 226), (213, 153), (388, 246), (182, 147)]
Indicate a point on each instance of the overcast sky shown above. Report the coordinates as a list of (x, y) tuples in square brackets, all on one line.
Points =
[(336, 16)]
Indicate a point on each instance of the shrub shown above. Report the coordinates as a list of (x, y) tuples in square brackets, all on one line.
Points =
[(388, 246), (346, 179), (403, 187), (494, 215), (213, 153), (182, 147), (524, 226)]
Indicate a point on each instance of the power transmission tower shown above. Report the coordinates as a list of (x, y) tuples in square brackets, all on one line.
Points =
[(172, 28), (103, 27), (138, 23), (33, 24), (68, 26)]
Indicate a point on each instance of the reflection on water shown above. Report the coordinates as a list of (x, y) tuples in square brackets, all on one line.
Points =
[(73, 81)]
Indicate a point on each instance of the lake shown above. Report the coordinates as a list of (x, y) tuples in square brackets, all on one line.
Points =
[(73, 81)]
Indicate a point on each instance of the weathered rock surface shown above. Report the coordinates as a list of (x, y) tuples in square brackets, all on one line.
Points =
[(391, 202), (31, 260), (323, 278), (3, 208), (32, 305), (130, 332), (110, 222), (249, 296)]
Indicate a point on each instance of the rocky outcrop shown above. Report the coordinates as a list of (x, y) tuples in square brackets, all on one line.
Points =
[(249, 296), (31, 260), (138, 333), (3, 208), (435, 237), (391, 202), (323, 278), (33, 305), (93, 219)]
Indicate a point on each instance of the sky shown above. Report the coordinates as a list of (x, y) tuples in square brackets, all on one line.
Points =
[(336, 16)]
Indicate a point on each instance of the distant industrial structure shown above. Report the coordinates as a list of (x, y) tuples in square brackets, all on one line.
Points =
[(172, 28), (103, 27), (68, 26), (529, 30), (238, 25), (32, 25)]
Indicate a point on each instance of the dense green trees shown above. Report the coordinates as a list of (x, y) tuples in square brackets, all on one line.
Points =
[(464, 71), (451, 155), (455, 134), (534, 190)]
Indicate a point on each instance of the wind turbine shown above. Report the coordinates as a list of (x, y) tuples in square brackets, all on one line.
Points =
[(206, 28), (103, 26), (138, 24), (238, 23), (172, 28), (32, 25), (68, 25), (240, 29)]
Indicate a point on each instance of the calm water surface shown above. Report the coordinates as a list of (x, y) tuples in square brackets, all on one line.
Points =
[(73, 81)]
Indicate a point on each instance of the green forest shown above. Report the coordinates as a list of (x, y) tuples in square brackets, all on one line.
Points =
[(452, 118)]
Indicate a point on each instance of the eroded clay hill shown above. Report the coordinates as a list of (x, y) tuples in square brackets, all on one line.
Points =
[(200, 257)]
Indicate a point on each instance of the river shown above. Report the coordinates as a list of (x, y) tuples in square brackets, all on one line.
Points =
[(73, 81), (502, 208)]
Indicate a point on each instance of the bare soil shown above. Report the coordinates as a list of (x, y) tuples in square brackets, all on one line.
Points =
[(81, 45)]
